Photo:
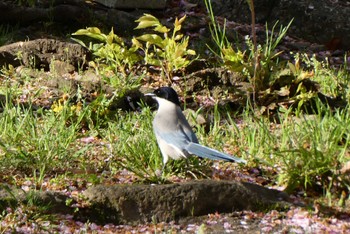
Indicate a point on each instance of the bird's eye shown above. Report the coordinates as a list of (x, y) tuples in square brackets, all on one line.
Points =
[(157, 92), (161, 93)]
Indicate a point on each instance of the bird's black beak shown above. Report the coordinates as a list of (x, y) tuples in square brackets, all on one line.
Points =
[(150, 95)]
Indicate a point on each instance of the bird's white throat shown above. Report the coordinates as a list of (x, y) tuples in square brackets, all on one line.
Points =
[(165, 105)]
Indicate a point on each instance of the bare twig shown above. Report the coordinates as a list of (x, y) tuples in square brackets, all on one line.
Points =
[(256, 57)]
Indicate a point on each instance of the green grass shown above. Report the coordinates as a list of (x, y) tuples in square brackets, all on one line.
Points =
[(307, 151), (133, 145), (37, 141)]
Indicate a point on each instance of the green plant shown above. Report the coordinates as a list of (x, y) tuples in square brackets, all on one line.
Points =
[(232, 58), (167, 50), (218, 33), (114, 60), (110, 50), (290, 85), (265, 62), (259, 62)]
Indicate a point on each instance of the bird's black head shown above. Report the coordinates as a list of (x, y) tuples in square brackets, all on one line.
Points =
[(168, 93)]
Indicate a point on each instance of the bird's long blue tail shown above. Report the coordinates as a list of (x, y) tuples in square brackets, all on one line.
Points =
[(206, 152)]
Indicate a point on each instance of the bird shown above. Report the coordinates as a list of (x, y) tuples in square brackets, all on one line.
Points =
[(174, 134)]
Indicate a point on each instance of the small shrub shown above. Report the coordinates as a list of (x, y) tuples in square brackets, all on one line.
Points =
[(164, 48), (110, 50)]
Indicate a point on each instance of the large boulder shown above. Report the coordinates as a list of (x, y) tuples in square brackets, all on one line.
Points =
[(146, 203)]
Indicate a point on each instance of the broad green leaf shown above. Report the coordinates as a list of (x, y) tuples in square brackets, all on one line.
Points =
[(92, 32), (110, 37), (149, 59), (136, 43), (178, 37), (162, 29), (96, 47), (79, 42), (234, 66), (231, 55), (151, 38), (118, 40), (146, 21)]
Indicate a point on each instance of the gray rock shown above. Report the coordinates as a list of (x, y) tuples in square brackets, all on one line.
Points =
[(40, 52), (144, 203)]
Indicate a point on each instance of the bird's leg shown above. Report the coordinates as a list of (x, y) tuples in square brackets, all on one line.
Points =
[(192, 174), (189, 171)]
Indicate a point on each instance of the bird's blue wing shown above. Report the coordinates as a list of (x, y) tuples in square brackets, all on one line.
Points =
[(177, 138), (178, 133), (186, 129)]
